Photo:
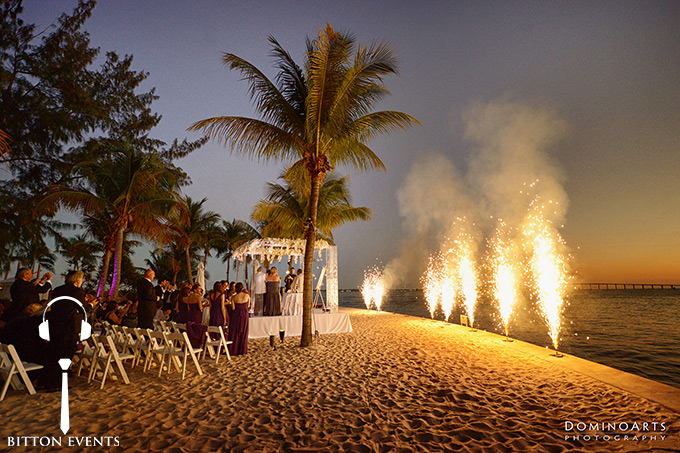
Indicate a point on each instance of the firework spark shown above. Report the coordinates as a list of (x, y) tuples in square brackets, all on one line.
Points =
[(463, 263), (505, 273), (547, 267), (373, 288)]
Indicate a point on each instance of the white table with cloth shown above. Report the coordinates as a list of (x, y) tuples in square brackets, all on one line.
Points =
[(324, 322), (291, 304)]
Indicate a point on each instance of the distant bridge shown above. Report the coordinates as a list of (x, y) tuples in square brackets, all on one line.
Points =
[(625, 286)]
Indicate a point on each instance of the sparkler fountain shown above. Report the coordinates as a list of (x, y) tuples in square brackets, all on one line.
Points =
[(547, 267), (466, 272), (505, 274), (439, 286), (373, 288)]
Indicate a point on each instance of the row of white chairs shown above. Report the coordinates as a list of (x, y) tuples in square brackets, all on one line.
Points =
[(103, 355)]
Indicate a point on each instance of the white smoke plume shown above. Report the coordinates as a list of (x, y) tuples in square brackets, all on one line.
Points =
[(508, 168)]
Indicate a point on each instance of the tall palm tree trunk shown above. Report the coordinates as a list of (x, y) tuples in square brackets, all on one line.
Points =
[(117, 262), (310, 237), (106, 259)]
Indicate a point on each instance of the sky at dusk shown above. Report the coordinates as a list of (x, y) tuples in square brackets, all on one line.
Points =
[(582, 96)]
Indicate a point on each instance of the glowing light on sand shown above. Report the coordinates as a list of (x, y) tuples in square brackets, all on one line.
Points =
[(373, 288), (504, 273), (547, 267)]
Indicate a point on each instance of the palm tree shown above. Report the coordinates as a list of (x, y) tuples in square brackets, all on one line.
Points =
[(191, 227), (317, 118), (232, 235), (101, 227), (134, 188), (80, 252), (284, 212), (166, 261)]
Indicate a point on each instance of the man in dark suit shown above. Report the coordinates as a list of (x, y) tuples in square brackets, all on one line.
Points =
[(146, 295), (25, 293), (65, 318)]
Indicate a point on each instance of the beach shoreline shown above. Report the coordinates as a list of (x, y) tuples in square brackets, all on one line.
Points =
[(396, 383)]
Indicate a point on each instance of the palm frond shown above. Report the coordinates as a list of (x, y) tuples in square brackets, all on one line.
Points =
[(250, 137), (269, 101), (290, 79)]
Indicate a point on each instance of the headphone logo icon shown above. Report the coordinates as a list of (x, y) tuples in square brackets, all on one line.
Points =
[(65, 363), (85, 327)]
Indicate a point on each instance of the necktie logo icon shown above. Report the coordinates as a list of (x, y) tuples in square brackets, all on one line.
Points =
[(64, 363)]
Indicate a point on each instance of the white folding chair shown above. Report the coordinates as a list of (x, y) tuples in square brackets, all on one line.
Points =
[(134, 344), (11, 365), (210, 343), (155, 349), (120, 338), (178, 345), (112, 361), (178, 327), (85, 357)]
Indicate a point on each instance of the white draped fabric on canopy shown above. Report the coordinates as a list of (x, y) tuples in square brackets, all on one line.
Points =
[(200, 276), (274, 249)]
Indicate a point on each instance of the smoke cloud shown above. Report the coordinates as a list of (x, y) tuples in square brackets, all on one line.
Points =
[(508, 168)]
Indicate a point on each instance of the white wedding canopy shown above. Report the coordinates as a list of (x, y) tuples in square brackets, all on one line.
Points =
[(274, 249)]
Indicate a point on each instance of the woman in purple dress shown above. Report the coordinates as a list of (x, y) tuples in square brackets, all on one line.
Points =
[(194, 302), (272, 298), (181, 308), (218, 309), (238, 324)]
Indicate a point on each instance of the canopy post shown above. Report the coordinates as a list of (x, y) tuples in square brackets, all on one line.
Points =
[(332, 278)]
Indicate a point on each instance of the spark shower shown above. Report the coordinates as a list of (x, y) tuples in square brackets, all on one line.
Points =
[(527, 260)]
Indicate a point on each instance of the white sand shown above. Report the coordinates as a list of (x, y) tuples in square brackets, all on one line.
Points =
[(397, 383)]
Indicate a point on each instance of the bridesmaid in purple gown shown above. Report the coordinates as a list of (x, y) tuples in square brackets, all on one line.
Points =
[(272, 298), (181, 308), (218, 310), (238, 324), (194, 301)]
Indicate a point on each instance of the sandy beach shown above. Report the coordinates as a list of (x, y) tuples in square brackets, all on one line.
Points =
[(396, 383)]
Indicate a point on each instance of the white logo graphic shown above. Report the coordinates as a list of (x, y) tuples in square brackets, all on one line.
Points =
[(64, 363)]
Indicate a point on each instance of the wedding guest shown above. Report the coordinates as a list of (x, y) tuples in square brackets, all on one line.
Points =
[(259, 288), (181, 308), (218, 309), (272, 298), (91, 304), (146, 295), (162, 290), (25, 293), (238, 324), (194, 304), (298, 284), (131, 318), (46, 295), (170, 296), (100, 312), (288, 281), (115, 311), (65, 319)]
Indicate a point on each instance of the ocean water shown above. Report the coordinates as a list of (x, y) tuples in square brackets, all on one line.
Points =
[(637, 331)]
